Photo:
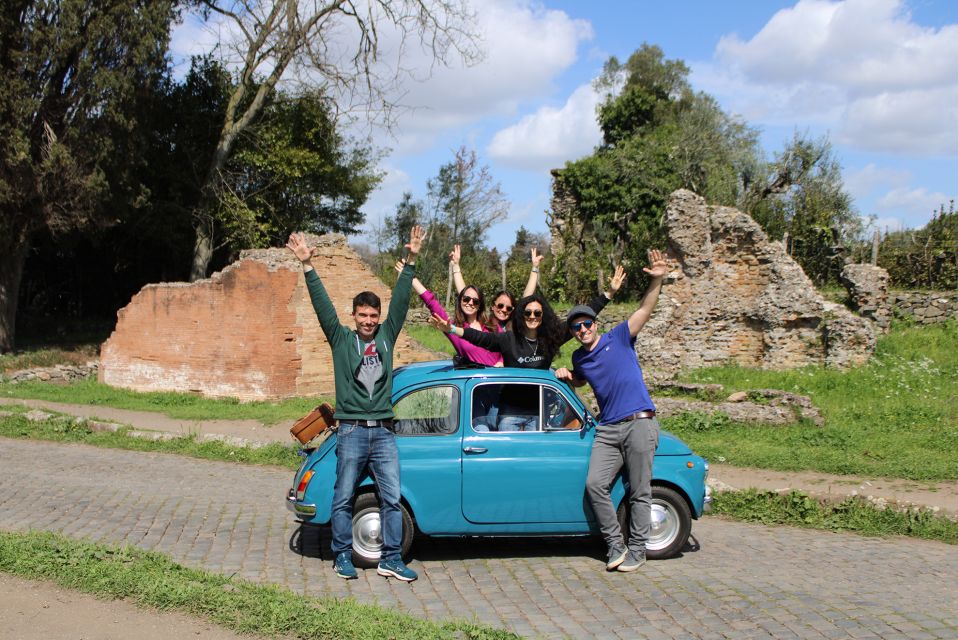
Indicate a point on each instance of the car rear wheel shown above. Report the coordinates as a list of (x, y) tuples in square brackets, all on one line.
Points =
[(367, 531), (671, 523)]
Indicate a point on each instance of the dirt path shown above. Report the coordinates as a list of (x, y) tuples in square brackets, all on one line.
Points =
[(943, 495), (35, 610)]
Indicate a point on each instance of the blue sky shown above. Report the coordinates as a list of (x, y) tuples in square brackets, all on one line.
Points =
[(879, 77)]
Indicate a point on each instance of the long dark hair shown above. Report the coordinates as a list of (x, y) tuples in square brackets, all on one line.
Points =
[(481, 315), (552, 331)]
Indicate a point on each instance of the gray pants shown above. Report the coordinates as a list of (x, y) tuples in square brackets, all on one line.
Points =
[(633, 444)]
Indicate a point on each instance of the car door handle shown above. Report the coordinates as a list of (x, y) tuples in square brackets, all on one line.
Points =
[(474, 450)]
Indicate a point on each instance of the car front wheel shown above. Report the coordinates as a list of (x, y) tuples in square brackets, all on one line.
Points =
[(671, 523), (367, 531)]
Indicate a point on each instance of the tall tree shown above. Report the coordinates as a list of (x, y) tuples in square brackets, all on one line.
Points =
[(74, 72), (336, 44)]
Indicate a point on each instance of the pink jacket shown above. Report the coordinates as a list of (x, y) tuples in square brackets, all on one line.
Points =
[(465, 349)]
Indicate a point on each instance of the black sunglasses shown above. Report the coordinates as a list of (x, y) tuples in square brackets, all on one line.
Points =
[(470, 300), (577, 326), (532, 313), (504, 307)]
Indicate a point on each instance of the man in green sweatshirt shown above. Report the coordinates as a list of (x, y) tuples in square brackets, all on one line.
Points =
[(363, 371)]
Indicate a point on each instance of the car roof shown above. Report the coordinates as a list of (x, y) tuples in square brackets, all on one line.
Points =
[(445, 370)]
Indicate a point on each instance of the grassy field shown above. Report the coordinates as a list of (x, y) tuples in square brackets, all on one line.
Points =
[(151, 579), (897, 416), (184, 406)]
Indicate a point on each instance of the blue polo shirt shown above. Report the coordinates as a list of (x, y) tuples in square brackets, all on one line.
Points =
[(613, 372)]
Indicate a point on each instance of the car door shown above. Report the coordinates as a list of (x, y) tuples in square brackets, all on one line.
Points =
[(427, 434), (525, 457)]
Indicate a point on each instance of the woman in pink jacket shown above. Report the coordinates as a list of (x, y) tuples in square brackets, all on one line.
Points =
[(470, 310)]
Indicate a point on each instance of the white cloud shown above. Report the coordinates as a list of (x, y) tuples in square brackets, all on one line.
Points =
[(872, 178), (911, 202), (549, 137), (861, 67), (382, 202), (526, 48), (886, 224)]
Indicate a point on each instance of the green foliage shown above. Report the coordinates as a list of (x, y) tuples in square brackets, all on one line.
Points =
[(853, 514), (151, 579), (67, 429), (922, 259), (698, 421), (293, 171), (75, 75), (185, 406), (897, 416)]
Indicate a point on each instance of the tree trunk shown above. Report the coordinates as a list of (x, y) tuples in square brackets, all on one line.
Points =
[(11, 273), (202, 251)]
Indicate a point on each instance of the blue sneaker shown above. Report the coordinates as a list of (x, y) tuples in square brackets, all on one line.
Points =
[(344, 565), (635, 560), (396, 568)]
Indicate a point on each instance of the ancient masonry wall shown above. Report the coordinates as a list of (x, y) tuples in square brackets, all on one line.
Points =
[(248, 332), (735, 296)]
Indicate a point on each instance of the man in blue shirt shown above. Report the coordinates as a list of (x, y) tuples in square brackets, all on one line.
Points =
[(628, 432)]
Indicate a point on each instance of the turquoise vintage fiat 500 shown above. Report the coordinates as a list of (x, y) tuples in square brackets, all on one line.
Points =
[(462, 475)]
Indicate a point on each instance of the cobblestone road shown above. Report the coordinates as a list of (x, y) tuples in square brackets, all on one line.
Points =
[(745, 581)]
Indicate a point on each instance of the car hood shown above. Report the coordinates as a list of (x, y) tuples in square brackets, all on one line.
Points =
[(669, 445)]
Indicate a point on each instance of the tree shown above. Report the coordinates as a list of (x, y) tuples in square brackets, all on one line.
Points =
[(800, 194), (74, 75), (293, 170), (658, 136), (335, 44)]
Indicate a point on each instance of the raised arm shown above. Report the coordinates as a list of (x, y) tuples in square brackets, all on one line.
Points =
[(457, 279), (533, 274), (399, 303), (417, 285), (657, 269), (322, 305), (485, 339)]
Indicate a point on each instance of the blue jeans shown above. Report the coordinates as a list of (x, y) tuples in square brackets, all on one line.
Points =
[(359, 448)]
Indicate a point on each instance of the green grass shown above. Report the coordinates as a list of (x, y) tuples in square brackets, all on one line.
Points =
[(897, 416), (66, 429), (852, 514), (46, 357), (430, 338), (151, 579), (184, 406)]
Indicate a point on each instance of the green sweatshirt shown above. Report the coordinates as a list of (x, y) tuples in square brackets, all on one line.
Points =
[(352, 400)]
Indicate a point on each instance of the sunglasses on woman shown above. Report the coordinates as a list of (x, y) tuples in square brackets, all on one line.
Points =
[(470, 300), (504, 307), (532, 313)]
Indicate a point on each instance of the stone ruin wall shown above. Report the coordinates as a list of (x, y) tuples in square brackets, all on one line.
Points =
[(735, 296), (248, 332)]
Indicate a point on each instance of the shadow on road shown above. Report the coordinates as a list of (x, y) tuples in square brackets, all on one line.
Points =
[(313, 541)]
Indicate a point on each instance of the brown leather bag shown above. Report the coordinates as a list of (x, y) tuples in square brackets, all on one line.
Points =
[(314, 423)]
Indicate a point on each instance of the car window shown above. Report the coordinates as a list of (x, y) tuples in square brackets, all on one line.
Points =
[(559, 414), (506, 407), (429, 411)]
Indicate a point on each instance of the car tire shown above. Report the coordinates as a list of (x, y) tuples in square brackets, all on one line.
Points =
[(671, 523), (367, 532)]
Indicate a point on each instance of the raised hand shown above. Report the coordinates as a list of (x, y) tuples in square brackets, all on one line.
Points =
[(399, 265), (618, 279), (536, 258), (455, 254), (298, 245), (658, 267), (415, 242), (440, 323)]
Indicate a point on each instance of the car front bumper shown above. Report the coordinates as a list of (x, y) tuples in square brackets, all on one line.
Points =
[(707, 502), (302, 509)]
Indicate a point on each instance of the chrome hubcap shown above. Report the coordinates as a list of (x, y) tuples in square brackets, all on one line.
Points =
[(367, 534), (665, 525)]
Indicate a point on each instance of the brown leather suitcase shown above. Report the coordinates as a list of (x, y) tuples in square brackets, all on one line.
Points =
[(313, 423)]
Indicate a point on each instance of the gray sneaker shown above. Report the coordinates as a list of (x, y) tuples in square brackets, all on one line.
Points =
[(616, 557), (634, 560)]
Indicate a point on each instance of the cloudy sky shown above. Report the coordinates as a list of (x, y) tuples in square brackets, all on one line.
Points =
[(879, 77)]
